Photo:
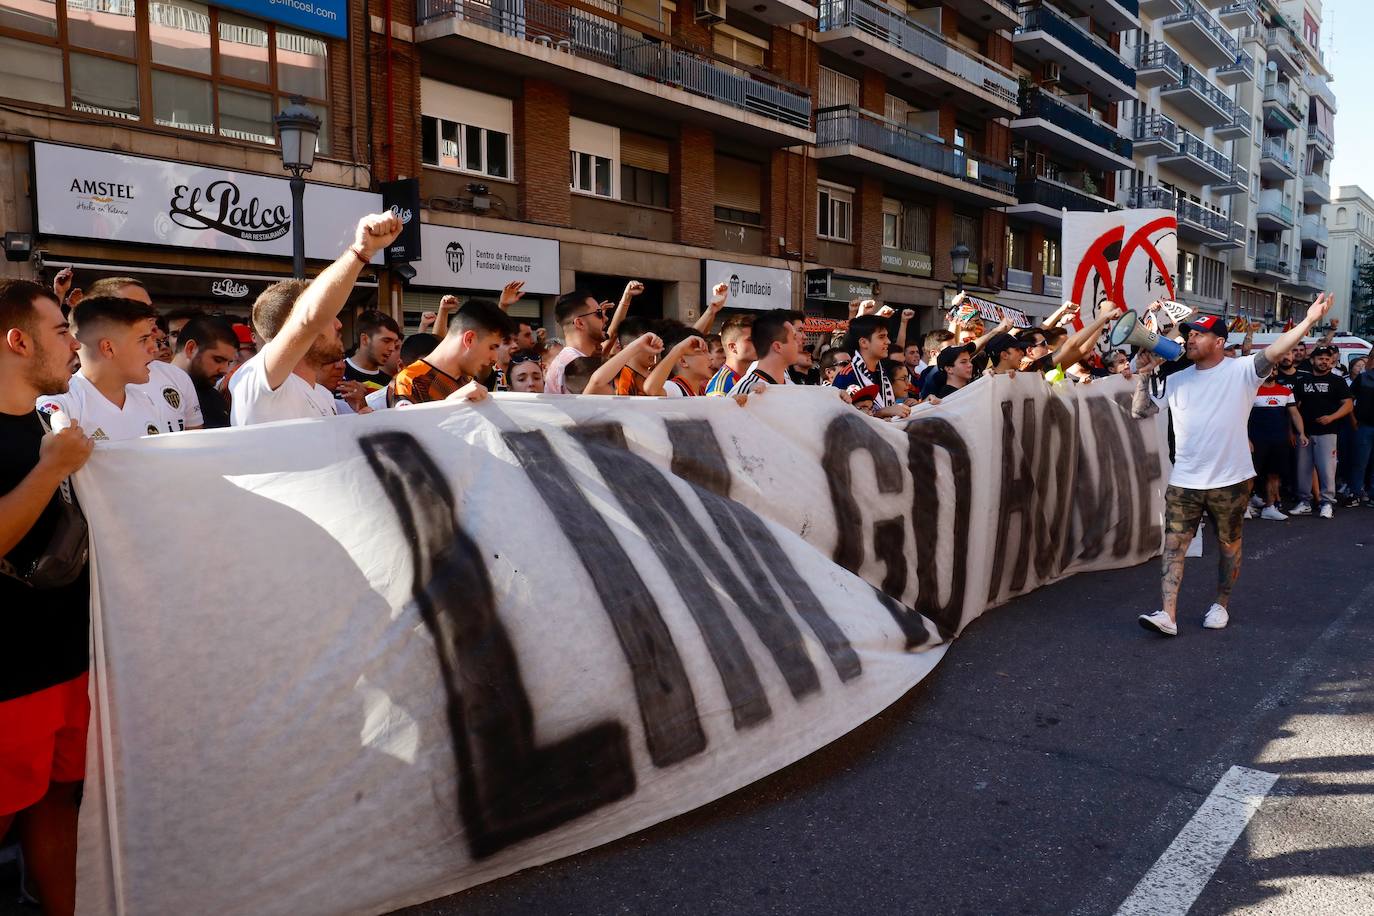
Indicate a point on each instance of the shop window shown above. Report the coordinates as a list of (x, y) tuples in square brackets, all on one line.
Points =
[(177, 64), (834, 207)]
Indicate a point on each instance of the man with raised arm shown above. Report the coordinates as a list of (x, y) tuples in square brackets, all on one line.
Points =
[(1209, 399), (300, 326)]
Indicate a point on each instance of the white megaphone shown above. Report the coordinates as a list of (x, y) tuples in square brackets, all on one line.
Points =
[(1128, 331)]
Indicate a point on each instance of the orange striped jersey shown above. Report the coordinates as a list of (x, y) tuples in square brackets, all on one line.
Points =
[(421, 383)]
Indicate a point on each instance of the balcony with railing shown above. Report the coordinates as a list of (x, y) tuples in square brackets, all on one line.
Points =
[(1273, 212), (1238, 182), (1049, 35), (1195, 222), (1278, 102), (1060, 125), (605, 59), (1020, 281), (1267, 262), (1239, 14), (1196, 31), (1314, 230), (993, 14), (1320, 89), (1196, 160), (905, 50), (867, 142), (1156, 9), (1154, 135), (1157, 64), (776, 12), (1316, 189), (1278, 160), (1240, 70), (1196, 96), (1311, 275), (1043, 200), (1320, 141), (1283, 51), (1238, 128)]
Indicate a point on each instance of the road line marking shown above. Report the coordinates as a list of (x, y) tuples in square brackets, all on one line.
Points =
[(1173, 883)]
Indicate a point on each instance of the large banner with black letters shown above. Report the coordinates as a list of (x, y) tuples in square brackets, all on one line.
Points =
[(363, 662)]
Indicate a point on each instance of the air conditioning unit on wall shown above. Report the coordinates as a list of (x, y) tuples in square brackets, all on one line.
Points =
[(710, 11)]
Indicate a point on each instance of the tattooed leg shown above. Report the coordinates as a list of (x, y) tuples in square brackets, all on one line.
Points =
[(1175, 549), (1229, 571)]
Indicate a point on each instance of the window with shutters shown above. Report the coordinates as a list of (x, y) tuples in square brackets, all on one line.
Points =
[(643, 169), (738, 45), (465, 131), (834, 209), (892, 223), (595, 150), (836, 89), (739, 190)]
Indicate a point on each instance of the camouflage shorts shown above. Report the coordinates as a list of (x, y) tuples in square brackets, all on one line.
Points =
[(1183, 509)]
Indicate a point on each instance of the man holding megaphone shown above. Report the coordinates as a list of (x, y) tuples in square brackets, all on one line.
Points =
[(1209, 399)]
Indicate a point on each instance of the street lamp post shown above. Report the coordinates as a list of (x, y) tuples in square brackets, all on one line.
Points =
[(297, 129), (958, 260)]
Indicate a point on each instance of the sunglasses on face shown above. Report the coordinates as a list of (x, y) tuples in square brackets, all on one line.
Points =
[(524, 358), (843, 365)]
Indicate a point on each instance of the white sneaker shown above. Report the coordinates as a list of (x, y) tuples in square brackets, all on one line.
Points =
[(1273, 514), (1325, 510), (1257, 501), (1249, 511), (1216, 618), (1160, 623), (1302, 508)]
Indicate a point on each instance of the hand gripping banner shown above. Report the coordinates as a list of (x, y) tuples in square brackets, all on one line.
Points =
[(360, 663)]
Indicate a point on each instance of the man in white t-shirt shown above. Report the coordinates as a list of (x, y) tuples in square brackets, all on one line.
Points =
[(106, 397), (299, 324), (166, 382), (1209, 399)]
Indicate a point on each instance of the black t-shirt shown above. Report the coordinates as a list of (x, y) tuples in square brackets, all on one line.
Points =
[(1318, 396), (371, 380), (811, 376), (1362, 386), (212, 406), (44, 633), (944, 390)]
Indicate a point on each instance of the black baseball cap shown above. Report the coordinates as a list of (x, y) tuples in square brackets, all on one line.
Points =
[(1324, 350), (949, 355), (1207, 324), (1001, 343)]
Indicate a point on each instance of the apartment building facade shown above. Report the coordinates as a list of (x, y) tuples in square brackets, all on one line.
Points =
[(1284, 261), (1350, 220), (807, 154)]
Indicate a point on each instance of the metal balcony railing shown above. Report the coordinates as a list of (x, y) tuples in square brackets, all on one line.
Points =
[(1194, 146), (1314, 228), (1275, 207), (1243, 63), (1320, 88), (1021, 281), (1081, 42), (1271, 264), (1312, 275), (1273, 149), (1281, 40), (588, 36), (1204, 217), (1278, 93), (1037, 103), (1317, 184), (893, 28), (1194, 81), (1152, 126), (1196, 12), (1320, 137), (1156, 55), (1058, 196), (845, 124)]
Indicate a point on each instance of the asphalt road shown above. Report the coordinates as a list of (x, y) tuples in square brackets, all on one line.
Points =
[(1047, 764)]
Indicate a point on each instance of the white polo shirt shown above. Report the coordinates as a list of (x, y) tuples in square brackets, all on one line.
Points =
[(100, 419), (254, 402), (173, 386)]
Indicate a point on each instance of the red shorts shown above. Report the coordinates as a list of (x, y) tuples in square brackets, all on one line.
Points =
[(42, 740)]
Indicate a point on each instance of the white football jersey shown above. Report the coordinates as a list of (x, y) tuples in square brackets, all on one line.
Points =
[(100, 419), (174, 387)]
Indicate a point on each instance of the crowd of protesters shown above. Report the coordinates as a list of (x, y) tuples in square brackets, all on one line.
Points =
[(104, 364)]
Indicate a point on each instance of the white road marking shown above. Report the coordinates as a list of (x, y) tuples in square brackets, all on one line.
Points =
[(1172, 885)]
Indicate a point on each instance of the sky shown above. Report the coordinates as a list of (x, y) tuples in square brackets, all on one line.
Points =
[(1347, 30)]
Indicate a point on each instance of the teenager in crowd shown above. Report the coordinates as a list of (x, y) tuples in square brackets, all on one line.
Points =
[(956, 367), (686, 368), (379, 340), (165, 382), (868, 343), (299, 323), (416, 346), (525, 373), (620, 373), (739, 354), (466, 352), (107, 396), (45, 593), (1324, 400), (833, 362), (776, 338), (1274, 419), (716, 348), (206, 347)]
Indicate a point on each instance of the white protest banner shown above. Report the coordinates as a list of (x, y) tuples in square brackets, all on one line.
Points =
[(988, 311), (472, 259), (438, 645), (94, 194), (1126, 256)]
